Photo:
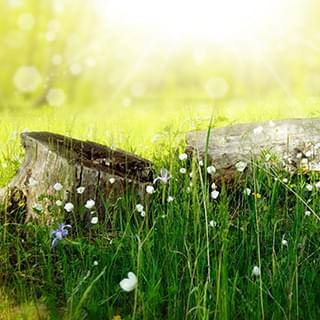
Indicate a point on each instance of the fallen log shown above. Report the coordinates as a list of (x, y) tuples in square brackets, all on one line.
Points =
[(55, 167), (296, 142)]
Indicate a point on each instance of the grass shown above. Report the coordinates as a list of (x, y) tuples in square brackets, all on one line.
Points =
[(193, 257)]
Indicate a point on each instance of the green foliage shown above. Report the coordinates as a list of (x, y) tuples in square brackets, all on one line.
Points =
[(193, 257)]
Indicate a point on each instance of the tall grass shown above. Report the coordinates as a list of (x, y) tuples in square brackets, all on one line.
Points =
[(193, 256)]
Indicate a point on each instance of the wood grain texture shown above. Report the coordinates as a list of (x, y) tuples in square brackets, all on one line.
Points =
[(291, 140), (52, 158)]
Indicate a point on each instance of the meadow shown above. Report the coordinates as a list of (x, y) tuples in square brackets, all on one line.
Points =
[(195, 247)]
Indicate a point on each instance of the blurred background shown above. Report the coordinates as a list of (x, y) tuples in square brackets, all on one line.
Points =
[(80, 66)]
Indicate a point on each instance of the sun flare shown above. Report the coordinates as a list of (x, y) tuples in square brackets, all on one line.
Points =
[(208, 20)]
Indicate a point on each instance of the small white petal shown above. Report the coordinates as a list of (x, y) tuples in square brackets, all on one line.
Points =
[(247, 191), (58, 186), (214, 186), (94, 220), (307, 213), (130, 283), (32, 182), (80, 190), (284, 242), (68, 206), (59, 203), (200, 163), (241, 165), (309, 187), (285, 180), (170, 198), (90, 204), (214, 194), (37, 207), (183, 156), (139, 207), (212, 224), (150, 189), (142, 213), (256, 271), (211, 169)]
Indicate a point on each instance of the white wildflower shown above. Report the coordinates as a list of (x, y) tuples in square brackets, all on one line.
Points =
[(309, 154), (256, 271), (142, 214), (170, 198), (139, 207), (95, 263), (80, 190), (247, 191), (68, 206), (37, 207), (59, 203), (214, 186), (90, 204), (94, 220), (112, 180), (284, 242), (241, 165), (183, 170), (183, 156), (130, 283), (212, 223), (307, 213), (150, 189), (32, 182), (58, 186), (200, 163), (318, 185), (214, 194), (211, 169), (309, 187), (285, 180)]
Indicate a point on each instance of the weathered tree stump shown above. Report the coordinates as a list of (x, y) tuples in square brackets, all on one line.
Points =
[(296, 142), (105, 173)]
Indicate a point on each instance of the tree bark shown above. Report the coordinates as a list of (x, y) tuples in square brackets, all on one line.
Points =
[(52, 158), (295, 142)]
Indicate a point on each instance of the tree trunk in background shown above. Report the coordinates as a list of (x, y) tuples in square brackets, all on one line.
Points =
[(296, 142), (50, 158)]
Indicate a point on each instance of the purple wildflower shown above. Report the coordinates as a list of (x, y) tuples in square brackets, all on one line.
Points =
[(59, 233), (164, 176)]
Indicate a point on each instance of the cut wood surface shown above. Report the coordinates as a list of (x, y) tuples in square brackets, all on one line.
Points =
[(295, 141), (105, 173)]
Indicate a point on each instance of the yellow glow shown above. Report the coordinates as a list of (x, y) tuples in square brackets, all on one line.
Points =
[(210, 20)]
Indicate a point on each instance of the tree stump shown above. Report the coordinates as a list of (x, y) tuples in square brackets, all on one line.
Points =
[(105, 173), (296, 142)]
